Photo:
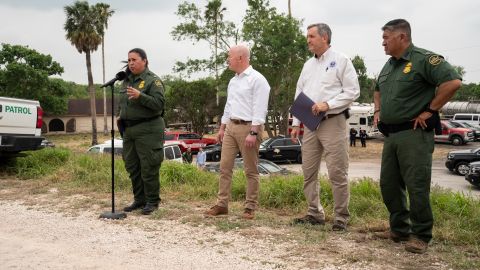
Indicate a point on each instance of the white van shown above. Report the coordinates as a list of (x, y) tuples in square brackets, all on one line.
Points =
[(471, 118), (361, 117), (171, 150)]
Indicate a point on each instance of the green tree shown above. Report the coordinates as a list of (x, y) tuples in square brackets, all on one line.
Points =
[(468, 92), (191, 102), (279, 51), (24, 73), (83, 32), (104, 13), (460, 70), (367, 84), (209, 27)]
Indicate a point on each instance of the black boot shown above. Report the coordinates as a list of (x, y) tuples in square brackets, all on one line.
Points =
[(134, 206), (149, 208)]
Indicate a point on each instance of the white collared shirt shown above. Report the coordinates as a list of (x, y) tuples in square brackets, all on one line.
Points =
[(330, 78), (247, 97)]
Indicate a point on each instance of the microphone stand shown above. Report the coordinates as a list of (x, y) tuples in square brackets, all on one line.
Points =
[(113, 214)]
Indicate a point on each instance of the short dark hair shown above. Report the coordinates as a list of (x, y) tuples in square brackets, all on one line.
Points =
[(322, 29), (399, 25)]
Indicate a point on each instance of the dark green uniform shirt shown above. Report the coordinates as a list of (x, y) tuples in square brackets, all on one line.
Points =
[(407, 85), (151, 101)]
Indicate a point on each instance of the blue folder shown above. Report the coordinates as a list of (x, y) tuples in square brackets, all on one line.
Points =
[(302, 109)]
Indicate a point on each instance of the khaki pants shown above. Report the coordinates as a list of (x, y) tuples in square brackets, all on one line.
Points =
[(329, 138), (234, 142)]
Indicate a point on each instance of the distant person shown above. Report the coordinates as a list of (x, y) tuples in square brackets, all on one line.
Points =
[(353, 137), (330, 80), (363, 137), (241, 130), (187, 156), (412, 86), (201, 158), (141, 112)]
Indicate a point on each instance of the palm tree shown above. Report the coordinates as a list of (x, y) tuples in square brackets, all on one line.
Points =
[(213, 15), (82, 31), (105, 13)]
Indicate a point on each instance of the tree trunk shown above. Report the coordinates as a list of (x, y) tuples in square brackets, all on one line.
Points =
[(105, 126), (91, 90), (289, 9), (216, 60)]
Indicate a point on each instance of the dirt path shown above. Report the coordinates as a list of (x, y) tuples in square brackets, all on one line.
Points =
[(40, 237), (36, 239)]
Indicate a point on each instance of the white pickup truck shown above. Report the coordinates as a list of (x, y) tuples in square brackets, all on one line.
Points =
[(20, 125)]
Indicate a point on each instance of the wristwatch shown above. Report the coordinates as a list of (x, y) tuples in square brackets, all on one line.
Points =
[(430, 110), (253, 133)]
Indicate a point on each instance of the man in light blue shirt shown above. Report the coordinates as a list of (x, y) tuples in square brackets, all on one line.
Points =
[(201, 158)]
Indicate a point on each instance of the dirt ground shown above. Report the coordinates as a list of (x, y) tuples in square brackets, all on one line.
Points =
[(45, 228), (51, 230)]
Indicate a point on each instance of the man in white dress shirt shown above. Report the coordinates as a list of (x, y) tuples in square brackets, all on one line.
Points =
[(241, 130), (330, 80)]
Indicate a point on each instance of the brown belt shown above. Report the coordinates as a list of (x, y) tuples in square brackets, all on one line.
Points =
[(240, 122)]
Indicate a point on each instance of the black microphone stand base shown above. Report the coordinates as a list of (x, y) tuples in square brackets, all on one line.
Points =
[(113, 215)]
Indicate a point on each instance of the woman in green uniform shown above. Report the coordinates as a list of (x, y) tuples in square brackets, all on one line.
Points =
[(141, 113)]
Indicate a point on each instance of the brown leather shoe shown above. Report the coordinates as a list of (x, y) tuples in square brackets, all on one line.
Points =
[(416, 245), (248, 213), (395, 237), (216, 211)]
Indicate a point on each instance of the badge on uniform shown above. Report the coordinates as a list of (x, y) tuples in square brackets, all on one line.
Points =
[(435, 59), (408, 68), (141, 85), (332, 64)]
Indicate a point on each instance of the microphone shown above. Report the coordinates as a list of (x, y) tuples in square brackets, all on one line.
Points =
[(119, 77)]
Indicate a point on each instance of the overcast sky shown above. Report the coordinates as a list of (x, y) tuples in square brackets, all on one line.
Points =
[(450, 28)]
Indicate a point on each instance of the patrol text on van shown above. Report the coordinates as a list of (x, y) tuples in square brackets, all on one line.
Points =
[(20, 125)]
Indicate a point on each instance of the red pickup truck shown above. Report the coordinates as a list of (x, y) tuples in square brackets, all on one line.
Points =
[(189, 139), (454, 135)]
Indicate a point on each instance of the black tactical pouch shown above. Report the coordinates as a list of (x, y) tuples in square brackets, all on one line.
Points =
[(120, 126), (381, 127), (433, 123)]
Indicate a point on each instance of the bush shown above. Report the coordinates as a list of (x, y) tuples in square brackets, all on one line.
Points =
[(40, 163)]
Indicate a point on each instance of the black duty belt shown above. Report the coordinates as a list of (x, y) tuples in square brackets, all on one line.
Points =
[(131, 123), (386, 129), (240, 121)]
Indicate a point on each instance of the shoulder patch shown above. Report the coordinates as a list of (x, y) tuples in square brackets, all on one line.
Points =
[(435, 59), (158, 83)]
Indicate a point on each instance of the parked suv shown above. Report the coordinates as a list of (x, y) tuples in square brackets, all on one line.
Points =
[(281, 149), (459, 160), (475, 129), (171, 150), (454, 135), (190, 139), (473, 175)]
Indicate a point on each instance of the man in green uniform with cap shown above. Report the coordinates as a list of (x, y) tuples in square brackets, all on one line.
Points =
[(141, 111), (412, 86)]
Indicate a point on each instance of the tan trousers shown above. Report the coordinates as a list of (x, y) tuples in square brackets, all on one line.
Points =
[(234, 142), (329, 138)]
